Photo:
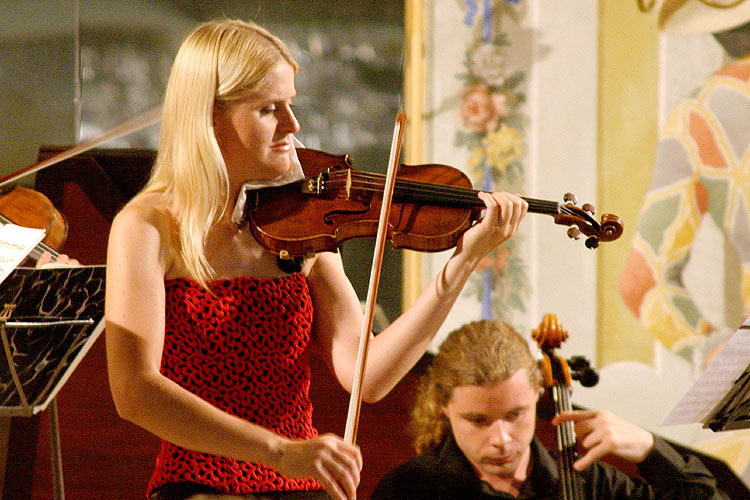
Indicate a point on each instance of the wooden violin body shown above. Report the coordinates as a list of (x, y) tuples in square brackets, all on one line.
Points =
[(432, 207), (28, 208)]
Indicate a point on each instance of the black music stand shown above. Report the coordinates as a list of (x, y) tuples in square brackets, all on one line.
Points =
[(720, 397), (733, 411), (49, 319)]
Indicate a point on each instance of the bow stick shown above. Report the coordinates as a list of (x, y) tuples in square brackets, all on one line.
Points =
[(355, 399), (137, 123)]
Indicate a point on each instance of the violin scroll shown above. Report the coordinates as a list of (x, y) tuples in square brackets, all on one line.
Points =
[(582, 222)]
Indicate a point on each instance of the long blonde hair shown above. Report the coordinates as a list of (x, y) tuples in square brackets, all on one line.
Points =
[(218, 62), (480, 353)]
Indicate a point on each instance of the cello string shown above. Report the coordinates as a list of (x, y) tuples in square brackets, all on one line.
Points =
[(571, 452), (566, 440), (77, 88)]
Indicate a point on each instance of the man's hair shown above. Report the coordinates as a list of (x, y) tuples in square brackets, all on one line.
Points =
[(218, 62), (481, 353)]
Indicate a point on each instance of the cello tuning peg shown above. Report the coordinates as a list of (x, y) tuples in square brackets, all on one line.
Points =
[(578, 363), (574, 232), (570, 198), (581, 370), (588, 207)]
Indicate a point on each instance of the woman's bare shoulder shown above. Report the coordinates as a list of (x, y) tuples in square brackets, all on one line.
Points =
[(147, 209), (148, 220), (146, 227)]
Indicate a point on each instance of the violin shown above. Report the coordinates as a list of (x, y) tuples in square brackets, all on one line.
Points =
[(432, 207), (557, 374), (28, 208)]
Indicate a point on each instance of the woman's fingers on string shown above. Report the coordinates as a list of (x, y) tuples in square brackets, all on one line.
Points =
[(504, 209), (63, 260), (44, 259)]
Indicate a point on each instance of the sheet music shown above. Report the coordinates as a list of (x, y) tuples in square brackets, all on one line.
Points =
[(16, 243), (715, 381)]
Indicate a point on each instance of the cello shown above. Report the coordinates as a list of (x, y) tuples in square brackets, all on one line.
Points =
[(557, 374)]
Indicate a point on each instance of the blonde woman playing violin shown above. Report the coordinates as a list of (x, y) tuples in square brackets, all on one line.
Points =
[(207, 338)]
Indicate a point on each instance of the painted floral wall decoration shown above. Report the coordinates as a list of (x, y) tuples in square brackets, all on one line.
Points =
[(490, 113)]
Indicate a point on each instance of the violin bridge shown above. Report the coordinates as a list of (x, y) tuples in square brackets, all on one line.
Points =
[(348, 183)]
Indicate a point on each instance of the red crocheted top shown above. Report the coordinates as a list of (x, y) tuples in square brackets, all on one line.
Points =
[(244, 350)]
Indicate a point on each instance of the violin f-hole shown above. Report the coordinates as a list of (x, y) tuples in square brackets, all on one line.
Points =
[(328, 218)]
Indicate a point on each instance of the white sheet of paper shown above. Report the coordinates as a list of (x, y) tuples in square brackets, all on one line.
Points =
[(16, 243), (714, 383)]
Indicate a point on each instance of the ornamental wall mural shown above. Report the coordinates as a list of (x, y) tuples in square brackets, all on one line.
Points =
[(498, 106)]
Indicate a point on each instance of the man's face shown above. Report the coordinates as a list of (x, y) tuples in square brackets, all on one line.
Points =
[(494, 425)]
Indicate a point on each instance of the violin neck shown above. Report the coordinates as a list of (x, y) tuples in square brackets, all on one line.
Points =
[(435, 194)]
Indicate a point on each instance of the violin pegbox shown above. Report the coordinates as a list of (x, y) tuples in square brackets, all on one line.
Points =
[(581, 221)]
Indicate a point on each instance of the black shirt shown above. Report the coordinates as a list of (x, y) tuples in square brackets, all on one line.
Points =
[(446, 474)]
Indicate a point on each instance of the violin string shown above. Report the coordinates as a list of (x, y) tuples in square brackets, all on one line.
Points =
[(459, 193), (436, 192), (423, 192), (373, 182)]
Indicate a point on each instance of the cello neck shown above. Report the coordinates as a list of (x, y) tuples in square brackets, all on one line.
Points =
[(566, 445)]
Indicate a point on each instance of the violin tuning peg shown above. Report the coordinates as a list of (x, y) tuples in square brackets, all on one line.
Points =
[(588, 207), (574, 232), (570, 198), (592, 242)]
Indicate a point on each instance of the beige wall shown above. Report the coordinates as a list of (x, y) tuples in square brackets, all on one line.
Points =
[(628, 77)]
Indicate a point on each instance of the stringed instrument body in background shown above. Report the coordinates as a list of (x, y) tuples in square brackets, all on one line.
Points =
[(29, 208)]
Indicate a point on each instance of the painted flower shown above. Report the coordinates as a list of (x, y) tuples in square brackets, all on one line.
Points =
[(481, 109), (497, 260), (488, 63), (493, 142), (503, 146), (475, 162)]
